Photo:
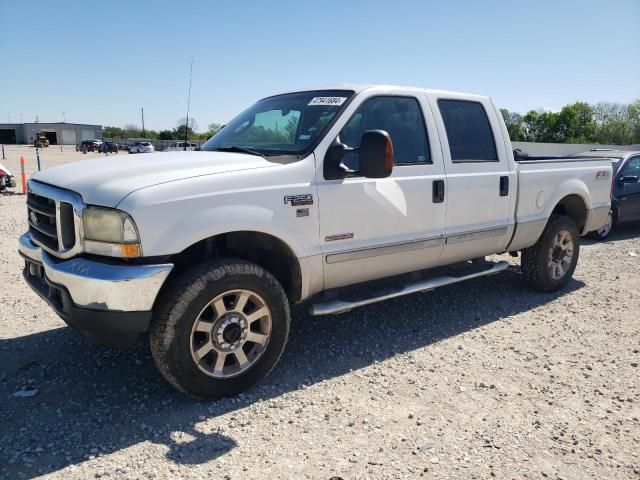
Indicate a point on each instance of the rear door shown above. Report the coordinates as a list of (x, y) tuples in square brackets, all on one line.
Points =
[(628, 179), (481, 178)]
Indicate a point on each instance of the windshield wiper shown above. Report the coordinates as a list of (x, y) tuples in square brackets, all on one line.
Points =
[(235, 148)]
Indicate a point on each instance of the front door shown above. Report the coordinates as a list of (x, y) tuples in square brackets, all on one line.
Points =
[(373, 228)]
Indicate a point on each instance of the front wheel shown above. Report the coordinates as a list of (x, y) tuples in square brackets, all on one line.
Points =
[(549, 264), (220, 328)]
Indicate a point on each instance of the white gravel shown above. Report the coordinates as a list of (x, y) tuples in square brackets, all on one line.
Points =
[(482, 379)]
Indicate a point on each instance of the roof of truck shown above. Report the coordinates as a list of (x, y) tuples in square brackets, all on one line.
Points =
[(356, 87)]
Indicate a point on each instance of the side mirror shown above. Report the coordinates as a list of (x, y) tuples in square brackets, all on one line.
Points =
[(376, 154), (628, 179), (375, 157)]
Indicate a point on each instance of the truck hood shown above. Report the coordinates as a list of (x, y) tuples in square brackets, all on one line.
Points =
[(107, 180)]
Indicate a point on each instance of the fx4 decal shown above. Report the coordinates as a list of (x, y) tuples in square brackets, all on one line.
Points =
[(298, 200)]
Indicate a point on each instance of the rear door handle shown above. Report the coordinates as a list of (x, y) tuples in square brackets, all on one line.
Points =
[(504, 186), (438, 191)]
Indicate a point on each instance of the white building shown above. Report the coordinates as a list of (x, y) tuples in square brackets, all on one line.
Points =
[(59, 133)]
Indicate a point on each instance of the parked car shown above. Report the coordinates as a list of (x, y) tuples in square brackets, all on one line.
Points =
[(625, 188), (90, 145), (108, 147), (141, 147), (177, 146), (207, 250)]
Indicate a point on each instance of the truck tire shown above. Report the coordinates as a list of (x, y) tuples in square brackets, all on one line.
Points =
[(549, 264), (219, 328)]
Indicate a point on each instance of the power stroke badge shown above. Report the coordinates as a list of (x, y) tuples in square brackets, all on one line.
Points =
[(299, 200)]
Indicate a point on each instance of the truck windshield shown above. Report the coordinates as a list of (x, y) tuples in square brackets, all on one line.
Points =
[(289, 124)]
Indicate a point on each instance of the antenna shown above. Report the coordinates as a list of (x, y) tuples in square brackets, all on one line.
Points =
[(186, 126)]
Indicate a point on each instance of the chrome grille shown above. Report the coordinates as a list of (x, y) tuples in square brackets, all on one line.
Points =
[(54, 217), (43, 225)]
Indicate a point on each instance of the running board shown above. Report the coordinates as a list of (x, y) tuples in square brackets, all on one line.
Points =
[(340, 306)]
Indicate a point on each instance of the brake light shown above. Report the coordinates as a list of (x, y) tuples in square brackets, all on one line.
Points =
[(2, 172), (611, 191)]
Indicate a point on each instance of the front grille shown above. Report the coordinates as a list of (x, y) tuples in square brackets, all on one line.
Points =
[(51, 222)]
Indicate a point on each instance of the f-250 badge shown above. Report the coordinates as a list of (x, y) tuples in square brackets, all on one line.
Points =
[(298, 200)]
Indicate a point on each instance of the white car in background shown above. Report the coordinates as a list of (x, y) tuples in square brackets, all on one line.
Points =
[(141, 147), (180, 146)]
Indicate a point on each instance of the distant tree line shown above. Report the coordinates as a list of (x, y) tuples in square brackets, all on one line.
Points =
[(177, 133), (603, 123)]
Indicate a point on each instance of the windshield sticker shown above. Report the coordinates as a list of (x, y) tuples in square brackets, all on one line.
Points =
[(327, 101), (304, 137)]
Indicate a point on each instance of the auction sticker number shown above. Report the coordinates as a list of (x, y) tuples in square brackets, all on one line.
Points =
[(327, 101)]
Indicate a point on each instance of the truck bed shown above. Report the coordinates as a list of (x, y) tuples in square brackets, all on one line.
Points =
[(544, 181)]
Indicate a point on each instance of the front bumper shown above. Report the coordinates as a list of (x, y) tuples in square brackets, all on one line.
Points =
[(109, 304)]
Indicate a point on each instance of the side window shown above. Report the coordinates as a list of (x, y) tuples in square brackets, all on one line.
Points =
[(632, 167), (468, 130), (401, 118)]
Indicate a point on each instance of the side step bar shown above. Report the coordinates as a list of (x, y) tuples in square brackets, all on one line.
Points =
[(340, 306)]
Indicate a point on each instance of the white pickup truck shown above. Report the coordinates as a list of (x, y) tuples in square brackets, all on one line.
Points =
[(300, 197)]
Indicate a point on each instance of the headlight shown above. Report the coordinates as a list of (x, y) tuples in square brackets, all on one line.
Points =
[(110, 232)]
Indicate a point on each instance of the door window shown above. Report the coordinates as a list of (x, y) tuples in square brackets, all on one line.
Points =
[(468, 131), (632, 168), (401, 118)]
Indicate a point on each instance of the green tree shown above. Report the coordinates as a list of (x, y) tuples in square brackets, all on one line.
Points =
[(166, 135), (575, 124), (514, 122), (633, 114), (112, 132), (179, 131), (131, 130)]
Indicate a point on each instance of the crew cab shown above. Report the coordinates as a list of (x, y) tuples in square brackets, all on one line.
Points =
[(301, 197)]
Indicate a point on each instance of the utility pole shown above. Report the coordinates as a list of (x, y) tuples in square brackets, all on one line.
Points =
[(64, 117), (142, 113), (186, 126)]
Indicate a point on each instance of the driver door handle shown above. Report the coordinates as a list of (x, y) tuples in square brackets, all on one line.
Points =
[(438, 191)]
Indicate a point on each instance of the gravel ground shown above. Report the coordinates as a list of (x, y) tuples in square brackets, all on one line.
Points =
[(481, 379)]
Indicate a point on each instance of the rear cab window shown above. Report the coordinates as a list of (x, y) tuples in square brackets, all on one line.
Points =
[(468, 131)]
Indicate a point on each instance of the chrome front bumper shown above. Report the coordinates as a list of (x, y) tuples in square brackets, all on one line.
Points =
[(94, 285)]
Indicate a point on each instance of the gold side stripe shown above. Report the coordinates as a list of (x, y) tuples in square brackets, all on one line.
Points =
[(415, 245), (385, 250)]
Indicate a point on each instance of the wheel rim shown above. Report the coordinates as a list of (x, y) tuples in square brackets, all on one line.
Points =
[(230, 333), (604, 230), (560, 255)]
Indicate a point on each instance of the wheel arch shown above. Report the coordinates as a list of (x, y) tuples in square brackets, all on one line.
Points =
[(264, 249), (575, 207)]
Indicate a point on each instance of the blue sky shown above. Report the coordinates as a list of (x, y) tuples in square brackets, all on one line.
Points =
[(132, 54)]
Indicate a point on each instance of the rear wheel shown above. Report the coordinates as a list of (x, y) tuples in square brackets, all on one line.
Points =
[(220, 328), (549, 264)]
